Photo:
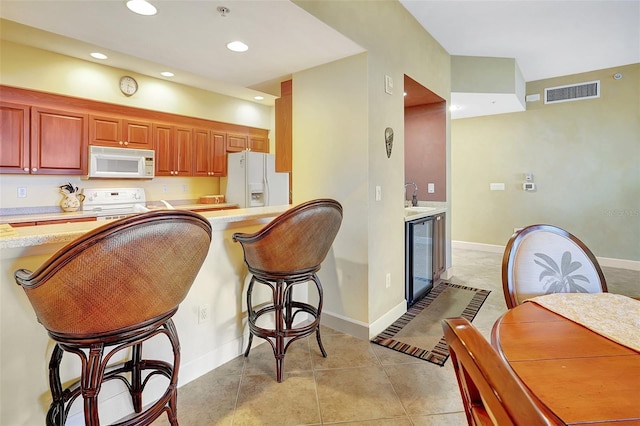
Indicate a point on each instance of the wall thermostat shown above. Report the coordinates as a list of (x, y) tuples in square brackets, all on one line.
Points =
[(529, 186)]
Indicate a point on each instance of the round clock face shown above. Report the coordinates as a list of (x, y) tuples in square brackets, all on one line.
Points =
[(128, 85)]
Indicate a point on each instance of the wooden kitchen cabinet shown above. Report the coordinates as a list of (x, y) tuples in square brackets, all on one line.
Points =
[(258, 142), (237, 143), (120, 132), (42, 141), (14, 138), (284, 125), (174, 150), (210, 153), (219, 163), (439, 246), (65, 126), (58, 142)]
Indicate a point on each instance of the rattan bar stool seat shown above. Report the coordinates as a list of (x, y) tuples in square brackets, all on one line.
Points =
[(107, 293), (285, 253)]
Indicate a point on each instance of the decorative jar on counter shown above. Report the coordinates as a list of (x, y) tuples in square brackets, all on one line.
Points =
[(71, 198)]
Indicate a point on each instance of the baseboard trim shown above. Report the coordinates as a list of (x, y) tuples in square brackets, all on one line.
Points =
[(465, 245), (609, 262), (379, 325), (343, 324)]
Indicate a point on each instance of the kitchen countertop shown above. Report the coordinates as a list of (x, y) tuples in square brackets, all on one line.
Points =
[(30, 236), (425, 212), (154, 205)]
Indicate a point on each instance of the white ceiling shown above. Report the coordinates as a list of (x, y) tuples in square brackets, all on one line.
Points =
[(547, 38)]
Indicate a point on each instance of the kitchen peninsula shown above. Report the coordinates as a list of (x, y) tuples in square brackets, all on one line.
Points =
[(206, 343)]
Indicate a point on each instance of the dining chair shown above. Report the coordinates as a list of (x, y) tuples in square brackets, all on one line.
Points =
[(544, 259), (285, 253), (491, 392), (105, 294)]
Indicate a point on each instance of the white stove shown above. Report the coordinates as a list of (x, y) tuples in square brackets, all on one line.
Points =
[(114, 203)]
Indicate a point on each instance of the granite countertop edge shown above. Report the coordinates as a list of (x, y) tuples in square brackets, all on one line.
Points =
[(31, 236)]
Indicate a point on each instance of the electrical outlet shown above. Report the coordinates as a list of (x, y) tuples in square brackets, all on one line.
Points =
[(22, 192), (388, 280), (165, 189), (184, 188), (378, 193), (203, 313)]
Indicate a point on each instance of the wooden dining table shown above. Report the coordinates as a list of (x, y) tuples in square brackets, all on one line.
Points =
[(580, 375)]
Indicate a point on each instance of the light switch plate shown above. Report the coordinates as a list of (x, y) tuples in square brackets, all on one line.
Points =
[(496, 186), (388, 84)]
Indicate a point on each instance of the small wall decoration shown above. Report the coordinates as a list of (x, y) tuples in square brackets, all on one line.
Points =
[(388, 140)]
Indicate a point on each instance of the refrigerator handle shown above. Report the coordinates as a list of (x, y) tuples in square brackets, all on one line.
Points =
[(265, 181)]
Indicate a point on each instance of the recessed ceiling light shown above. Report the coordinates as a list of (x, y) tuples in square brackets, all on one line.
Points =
[(258, 98), (237, 46), (142, 7), (167, 74), (98, 55)]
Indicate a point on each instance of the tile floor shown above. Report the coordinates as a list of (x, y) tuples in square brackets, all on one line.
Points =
[(359, 383)]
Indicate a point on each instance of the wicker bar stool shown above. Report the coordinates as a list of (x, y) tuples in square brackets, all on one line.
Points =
[(286, 252), (111, 290)]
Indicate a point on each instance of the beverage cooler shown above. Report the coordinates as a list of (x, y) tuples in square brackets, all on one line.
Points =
[(418, 258)]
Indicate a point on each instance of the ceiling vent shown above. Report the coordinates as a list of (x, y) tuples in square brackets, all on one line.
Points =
[(572, 92)]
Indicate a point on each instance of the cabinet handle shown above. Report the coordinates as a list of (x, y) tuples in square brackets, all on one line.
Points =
[(438, 217), (34, 169), (26, 169), (121, 143), (126, 142)]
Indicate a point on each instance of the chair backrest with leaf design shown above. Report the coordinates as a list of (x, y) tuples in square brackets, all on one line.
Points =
[(543, 259)]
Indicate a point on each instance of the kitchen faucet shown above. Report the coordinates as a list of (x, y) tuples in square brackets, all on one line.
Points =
[(414, 197)]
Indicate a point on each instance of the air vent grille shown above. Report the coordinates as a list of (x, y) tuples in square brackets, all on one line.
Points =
[(572, 92)]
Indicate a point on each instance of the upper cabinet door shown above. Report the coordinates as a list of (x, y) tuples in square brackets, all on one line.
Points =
[(118, 132), (237, 143), (59, 142), (14, 138), (105, 131), (183, 151), (219, 161), (164, 151), (137, 134), (174, 150), (258, 143), (284, 124)]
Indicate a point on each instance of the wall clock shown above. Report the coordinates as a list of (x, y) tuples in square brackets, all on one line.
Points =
[(128, 85)]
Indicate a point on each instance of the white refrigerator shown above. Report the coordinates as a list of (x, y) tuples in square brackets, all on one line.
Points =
[(252, 180)]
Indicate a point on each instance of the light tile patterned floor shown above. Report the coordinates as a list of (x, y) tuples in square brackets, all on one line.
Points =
[(359, 383)]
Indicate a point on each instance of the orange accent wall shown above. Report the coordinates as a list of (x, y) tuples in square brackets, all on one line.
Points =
[(425, 150)]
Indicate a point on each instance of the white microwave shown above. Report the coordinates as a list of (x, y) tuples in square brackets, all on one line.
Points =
[(121, 163)]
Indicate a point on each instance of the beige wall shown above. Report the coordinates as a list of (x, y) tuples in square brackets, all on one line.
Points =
[(585, 158), (373, 230), (31, 68), (366, 252), (36, 69)]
